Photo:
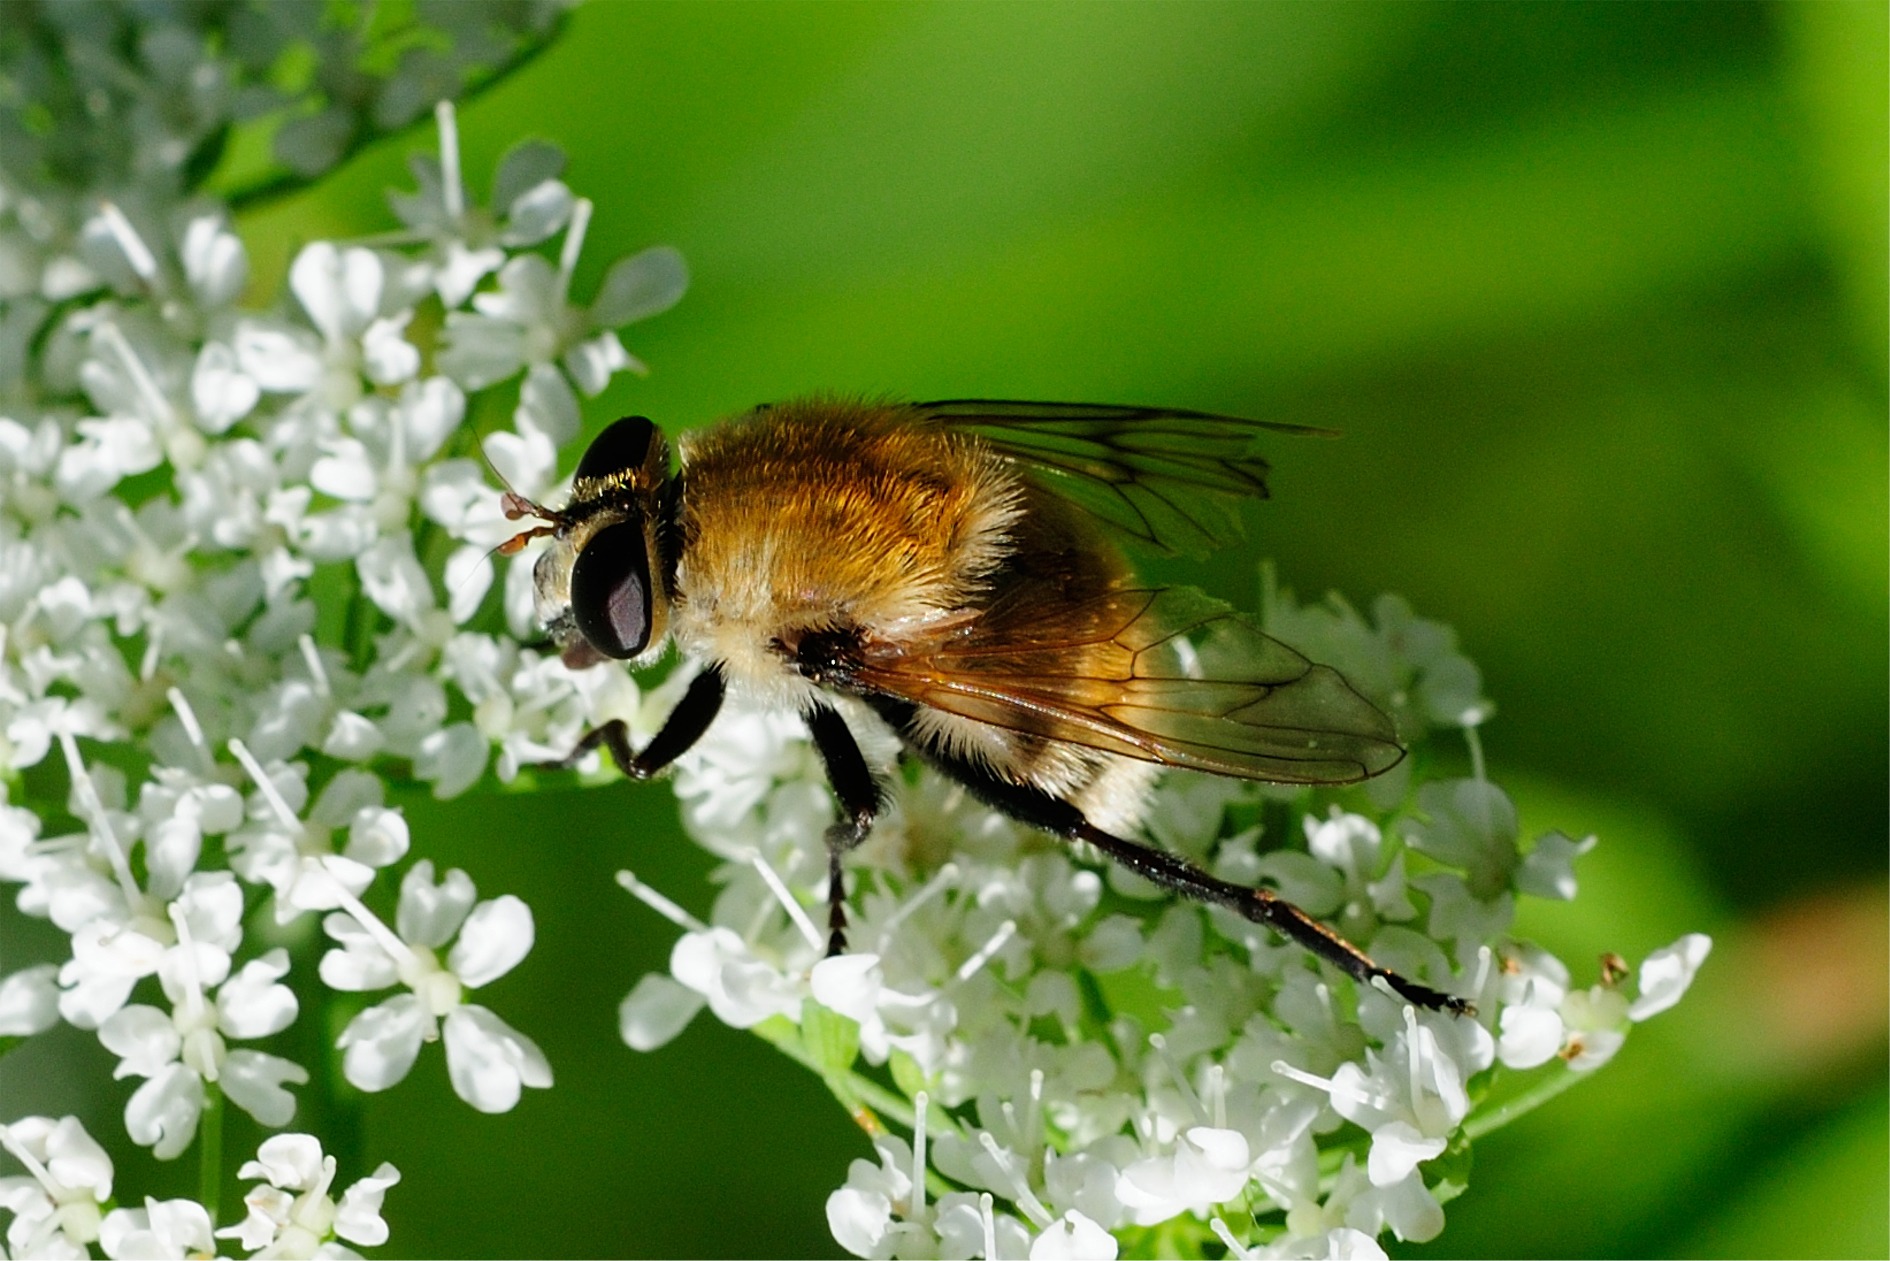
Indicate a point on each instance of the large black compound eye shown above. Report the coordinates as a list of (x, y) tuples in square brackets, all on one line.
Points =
[(623, 446), (610, 589)]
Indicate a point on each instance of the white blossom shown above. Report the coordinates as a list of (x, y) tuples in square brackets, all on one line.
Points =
[(56, 1204), (184, 472), (181, 1050), (487, 1060), (293, 1214), (163, 1230)]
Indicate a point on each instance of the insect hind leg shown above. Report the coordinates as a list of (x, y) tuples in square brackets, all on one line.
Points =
[(1040, 809), (860, 797)]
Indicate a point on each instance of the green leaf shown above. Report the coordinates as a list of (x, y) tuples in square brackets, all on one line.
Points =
[(832, 1040), (907, 1075)]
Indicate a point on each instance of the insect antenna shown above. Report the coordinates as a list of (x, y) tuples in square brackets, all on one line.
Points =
[(517, 508)]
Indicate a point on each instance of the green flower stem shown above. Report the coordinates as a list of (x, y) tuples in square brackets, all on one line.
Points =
[(210, 1150), (852, 1090), (858, 1094), (281, 183), (1488, 1122)]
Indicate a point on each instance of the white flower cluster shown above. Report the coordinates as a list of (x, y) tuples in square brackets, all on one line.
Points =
[(63, 1203), (1084, 1062), (246, 581)]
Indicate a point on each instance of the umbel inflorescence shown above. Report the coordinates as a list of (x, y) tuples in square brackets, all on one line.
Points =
[(1068, 1057), (247, 583)]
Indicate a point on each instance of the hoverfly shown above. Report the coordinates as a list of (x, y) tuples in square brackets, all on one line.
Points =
[(955, 567)]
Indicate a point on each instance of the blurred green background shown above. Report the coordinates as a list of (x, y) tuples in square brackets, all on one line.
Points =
[(1597, 294)]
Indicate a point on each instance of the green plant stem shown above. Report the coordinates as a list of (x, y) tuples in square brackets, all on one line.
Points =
[(1521, 1105), (210, 1150), (853, 1091), (850, 1089), (281, 183)]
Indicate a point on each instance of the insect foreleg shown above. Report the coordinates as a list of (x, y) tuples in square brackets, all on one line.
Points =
[(684, 726), (860, 798)]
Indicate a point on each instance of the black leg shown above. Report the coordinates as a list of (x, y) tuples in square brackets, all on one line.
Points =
[(1261, 906), (681, 729), (860, 798)]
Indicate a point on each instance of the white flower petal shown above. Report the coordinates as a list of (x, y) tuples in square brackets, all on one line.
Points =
[(488, 1061), (595, 360), (387, 357), (1397, 1150), (849, 984), (526, 460), (452, 759), (292, 1162), (858, 1218), (358, 1214), (161, 1229), (268, 1211), (144, 1039), (640, 286), (253, 1082), (1530, 1035), (72, 1156), (547, 406), (1549, 869), (221, 393), (655, 1011), (215, 263), (468, 577), (1074, 1237), (1666, 974), (162, 1113), (279, 359), (536, 213), (251, 1004), (430, 411), (377, 837), (347, 472), (429, 914), (353, 738), (340, 289), (29, 1001), (380, 1045), (495, 937), (391, 576)]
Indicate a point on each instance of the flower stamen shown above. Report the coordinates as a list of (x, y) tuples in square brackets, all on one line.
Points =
[(975, 964), (98, 822), (451, 190), (1235, 1248), (1022, 1195), (795, 911), (1160, 1045), (660, 904), (136, 252), (384, 937), (267, 787), (942, 880), (920, 1102)]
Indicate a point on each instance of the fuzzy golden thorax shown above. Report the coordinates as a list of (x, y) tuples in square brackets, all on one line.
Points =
[(828, 515)]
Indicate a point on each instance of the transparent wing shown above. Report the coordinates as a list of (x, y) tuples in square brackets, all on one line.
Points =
[(1167, 479), (1165, 675)]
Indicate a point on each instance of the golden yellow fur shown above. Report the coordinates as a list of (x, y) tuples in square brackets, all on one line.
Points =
[(822, 514)]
